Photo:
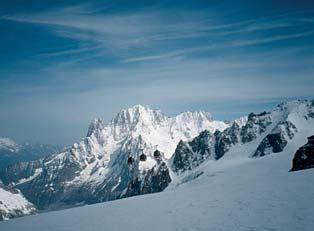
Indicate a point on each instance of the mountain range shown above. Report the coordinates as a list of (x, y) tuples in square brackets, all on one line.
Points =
[(143, 151), (12, 152)]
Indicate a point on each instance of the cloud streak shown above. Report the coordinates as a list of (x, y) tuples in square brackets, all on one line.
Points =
[(113, 34)]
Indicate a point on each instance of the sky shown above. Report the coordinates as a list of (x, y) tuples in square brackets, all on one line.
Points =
[(64, 63)]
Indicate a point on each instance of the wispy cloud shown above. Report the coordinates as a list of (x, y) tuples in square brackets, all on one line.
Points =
[(112, 34)]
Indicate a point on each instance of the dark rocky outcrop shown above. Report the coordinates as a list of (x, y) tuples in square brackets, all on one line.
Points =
[(304, 157), (224, 140), (182, 157), (272, 143), (276, 141), (189, 155), (13, 173), (256, 125), (154, 180)]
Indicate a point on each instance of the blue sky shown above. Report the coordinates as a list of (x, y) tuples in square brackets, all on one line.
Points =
[(64, 63)]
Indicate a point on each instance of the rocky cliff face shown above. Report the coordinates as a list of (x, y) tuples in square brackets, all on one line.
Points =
[(151, 181), (304, 157), (189, 155)]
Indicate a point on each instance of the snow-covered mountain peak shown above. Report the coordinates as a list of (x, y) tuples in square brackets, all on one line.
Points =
[(195, 122), (293, 111), (195, 115), (241, 121), (8, 144), (96, 125), (152, 125), (295, 105), (138, 114)]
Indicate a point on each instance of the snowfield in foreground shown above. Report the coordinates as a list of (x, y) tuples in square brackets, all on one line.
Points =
[(234, 193)]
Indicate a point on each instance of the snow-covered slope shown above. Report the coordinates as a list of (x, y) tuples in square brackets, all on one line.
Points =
[(13, 204), (233, 193)]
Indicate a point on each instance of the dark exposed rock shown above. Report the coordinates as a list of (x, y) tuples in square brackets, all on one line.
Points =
[(289, 128), (311, 114), (272, 143), (13, 173), (201, 144), (189, 155), (276, 141), (222, 144), (262, 113), (157, 179), (183, 156), (154, 180), (224, 140), (255, 126), (233, 133), (304, 157)]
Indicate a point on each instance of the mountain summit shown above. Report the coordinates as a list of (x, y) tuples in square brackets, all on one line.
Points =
[(98, 163)]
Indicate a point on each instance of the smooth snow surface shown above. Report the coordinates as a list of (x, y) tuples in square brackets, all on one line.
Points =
[(234, 193)]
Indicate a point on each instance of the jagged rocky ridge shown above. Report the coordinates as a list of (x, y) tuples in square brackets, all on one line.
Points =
[(270, 131), (151, 181), (96, 169)]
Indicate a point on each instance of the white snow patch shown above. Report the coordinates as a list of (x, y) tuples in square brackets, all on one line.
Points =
[(13, 204), (38, 171)]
